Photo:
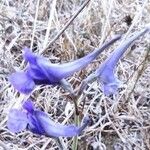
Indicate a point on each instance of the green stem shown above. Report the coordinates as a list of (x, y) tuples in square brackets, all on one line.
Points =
[(75, 139)]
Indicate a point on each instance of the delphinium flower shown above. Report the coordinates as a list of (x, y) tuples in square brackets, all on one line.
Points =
[(39, 122), (105, 73), (41, 71)]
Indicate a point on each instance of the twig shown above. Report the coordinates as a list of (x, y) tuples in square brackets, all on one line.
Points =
[(135, 20), (35, 20), (137, 75), (107, 24), (66, 26), (53, 5), (59, 143), (3, 146)]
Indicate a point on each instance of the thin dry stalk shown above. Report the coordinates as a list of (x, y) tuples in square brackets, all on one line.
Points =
[(35, 21), (52, 10), (66, 26)]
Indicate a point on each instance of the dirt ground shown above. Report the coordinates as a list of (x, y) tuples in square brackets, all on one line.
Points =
[(119, 122)]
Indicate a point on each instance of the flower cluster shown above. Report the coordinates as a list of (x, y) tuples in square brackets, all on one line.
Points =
[(41, 72)]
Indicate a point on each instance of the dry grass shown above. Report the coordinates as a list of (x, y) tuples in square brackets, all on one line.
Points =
[(121, 122)]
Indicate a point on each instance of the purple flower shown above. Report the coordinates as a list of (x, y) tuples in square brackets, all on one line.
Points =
[(40, 71), (39, 122), (105, 72)]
